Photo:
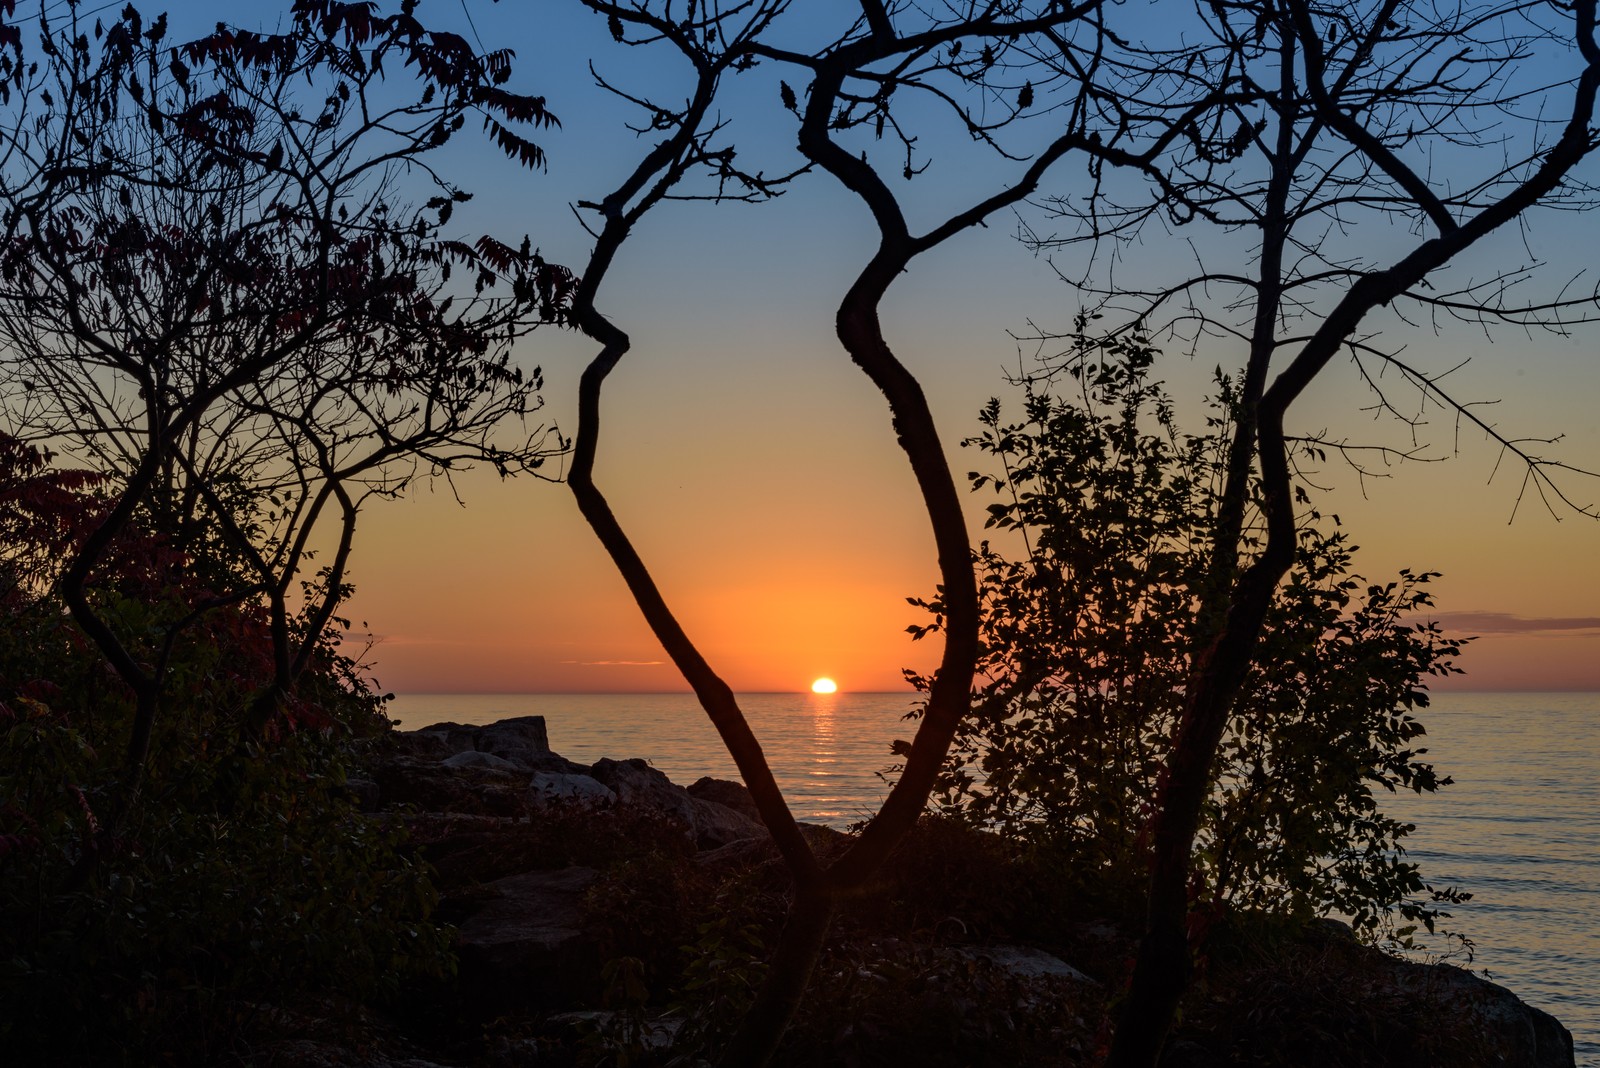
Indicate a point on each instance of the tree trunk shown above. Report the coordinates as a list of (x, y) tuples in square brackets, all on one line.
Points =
[(800, 945)]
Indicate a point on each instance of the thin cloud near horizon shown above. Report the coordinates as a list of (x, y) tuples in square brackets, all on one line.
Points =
[(1506, 623), (615, 663)]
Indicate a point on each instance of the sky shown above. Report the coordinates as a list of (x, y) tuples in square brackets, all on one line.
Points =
[(756, 468)]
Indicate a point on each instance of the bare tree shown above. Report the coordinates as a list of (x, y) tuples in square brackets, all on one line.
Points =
[(1356, 149), (853, 82), (208, 294)]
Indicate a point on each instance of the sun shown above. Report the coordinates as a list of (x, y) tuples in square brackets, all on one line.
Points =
[(824, 686)]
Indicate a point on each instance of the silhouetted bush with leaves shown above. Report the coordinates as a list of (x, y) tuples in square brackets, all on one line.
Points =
[(246, 874), (1087, 639)]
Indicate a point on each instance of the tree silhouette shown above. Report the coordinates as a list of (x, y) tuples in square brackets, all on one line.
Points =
[(852, 83), (209, 293), (1357, 149)]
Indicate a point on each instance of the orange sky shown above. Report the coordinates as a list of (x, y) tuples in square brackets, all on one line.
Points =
[(756, 469), (765, 489)]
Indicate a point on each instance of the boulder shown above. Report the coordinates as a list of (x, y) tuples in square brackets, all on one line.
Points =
[(418, 745), (1510, 1030), (743, 854), (435, 787), (1025, 962), (471, 758), (558, 788), (717, 825), (734, 795), (526, 945), (446, 738), (638, 785), (521, 740)]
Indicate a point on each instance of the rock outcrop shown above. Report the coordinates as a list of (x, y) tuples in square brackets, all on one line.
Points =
[(472, 796), (488, 806), (527, 944), (1513, 1032)]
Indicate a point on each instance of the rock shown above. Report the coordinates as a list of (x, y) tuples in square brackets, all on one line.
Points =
[(471, 758), (655, 1035), (418, 745), (527, 945), (549, 787), (1026, 962), (745, 853), (717, 825), (826, 842), (1511, 1031), (437, 787), (446, 737), (1335, 928), (638, 785), (734, 795), (522, 740)]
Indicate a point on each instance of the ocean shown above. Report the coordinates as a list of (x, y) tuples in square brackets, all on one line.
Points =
[(1519, 829)]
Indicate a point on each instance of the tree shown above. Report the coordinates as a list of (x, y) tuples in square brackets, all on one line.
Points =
[(1303, 130), (852, 83), (1086, 641), (209, 293)]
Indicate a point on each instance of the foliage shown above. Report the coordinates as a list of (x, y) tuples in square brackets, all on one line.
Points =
[(212, 294), (249, 873), (1088, 639), (888, 1002)]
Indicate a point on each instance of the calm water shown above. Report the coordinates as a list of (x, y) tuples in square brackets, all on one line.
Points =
[(832, 745), (1520, 829)]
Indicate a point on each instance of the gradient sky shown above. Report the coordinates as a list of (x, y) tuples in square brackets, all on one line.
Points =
[(756, 469)]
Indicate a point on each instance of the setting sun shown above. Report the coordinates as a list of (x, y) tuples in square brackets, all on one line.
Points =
[(824, 686)]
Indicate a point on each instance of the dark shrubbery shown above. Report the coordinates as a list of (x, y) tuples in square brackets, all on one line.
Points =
[(1087, 639), (137, 929)]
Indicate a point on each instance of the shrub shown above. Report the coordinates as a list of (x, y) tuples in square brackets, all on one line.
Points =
[(243, 873), (1087, 640)]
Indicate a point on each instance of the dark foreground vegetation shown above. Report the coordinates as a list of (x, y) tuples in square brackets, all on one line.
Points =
[(602, 916)]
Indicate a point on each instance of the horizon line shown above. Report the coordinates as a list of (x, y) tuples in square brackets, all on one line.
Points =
[(874, 693)]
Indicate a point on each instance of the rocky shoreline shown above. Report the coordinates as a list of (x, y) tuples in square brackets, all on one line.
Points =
[(583, 894)]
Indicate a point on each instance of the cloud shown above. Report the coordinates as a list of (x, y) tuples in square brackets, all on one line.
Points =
[(615, 663), (1506, 623), (401, 641)]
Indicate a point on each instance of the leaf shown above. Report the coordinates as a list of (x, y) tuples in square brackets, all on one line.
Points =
[(518, 148)]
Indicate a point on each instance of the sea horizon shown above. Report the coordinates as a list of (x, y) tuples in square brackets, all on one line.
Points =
[(843, 692)]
